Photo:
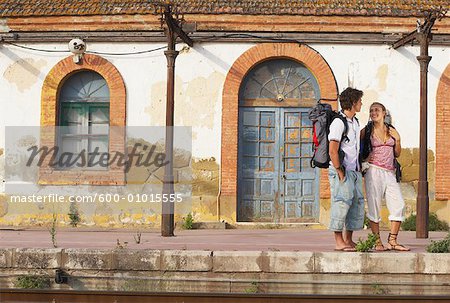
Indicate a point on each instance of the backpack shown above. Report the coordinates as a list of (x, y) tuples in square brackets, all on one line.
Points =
[(322, 115), (366, 146)]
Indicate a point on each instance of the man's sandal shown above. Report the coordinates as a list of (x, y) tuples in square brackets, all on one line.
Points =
[(393, 245), (378, 244)]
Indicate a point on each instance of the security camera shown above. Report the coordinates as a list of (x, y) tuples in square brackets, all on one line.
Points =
[(77, 46)]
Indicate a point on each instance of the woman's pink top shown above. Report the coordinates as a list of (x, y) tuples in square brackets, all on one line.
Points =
[(382, 154)]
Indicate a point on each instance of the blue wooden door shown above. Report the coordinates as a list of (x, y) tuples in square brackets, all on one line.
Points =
[(298, 181), (275, 180), (259, 159)]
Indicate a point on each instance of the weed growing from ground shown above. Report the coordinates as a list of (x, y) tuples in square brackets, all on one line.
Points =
[(32, 282), (188, 221), (366, 245), (442, 246)]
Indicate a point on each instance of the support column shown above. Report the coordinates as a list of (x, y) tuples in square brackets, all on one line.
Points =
[(168, 207), (422, 205)]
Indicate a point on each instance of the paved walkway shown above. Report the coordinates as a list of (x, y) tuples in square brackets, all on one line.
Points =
[(216, 240)]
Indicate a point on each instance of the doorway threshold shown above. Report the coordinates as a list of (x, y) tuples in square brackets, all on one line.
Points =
[(270, 225)]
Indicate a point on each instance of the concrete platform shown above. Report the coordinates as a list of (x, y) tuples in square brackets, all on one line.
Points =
[(229, 239), (248, 261)]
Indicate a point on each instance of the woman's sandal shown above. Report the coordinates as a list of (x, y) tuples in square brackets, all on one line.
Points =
[(393, 245), (378, 244)]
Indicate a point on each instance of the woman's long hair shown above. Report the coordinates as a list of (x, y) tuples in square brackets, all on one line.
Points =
[(387, 116)]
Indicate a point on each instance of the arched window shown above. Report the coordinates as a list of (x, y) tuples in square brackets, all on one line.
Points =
[(84, 121), (280, 82)]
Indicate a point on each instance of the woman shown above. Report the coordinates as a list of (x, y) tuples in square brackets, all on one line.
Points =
[(380, 177)]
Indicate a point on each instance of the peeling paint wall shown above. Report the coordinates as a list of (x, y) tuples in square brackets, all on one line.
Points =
[(24, 73), (4, 28), (199, 96), (409, 160), (391, 77), (385, 75)]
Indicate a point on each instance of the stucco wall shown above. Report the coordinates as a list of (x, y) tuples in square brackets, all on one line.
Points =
[(385, 75)]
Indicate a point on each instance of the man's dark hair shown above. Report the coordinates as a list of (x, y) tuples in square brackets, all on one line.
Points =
[(349, 97)]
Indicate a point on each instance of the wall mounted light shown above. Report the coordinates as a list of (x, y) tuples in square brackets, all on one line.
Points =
[(77, 47)]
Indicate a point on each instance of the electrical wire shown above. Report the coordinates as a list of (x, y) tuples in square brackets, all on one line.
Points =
[(213, 37), (88, 52), (36, 49), (125, 54)]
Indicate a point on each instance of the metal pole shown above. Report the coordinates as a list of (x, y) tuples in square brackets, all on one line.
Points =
[(422, 205), (168, 207)]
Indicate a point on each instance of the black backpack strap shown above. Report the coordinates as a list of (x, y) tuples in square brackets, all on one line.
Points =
[(345, 133), (366, 143), (344, 137)]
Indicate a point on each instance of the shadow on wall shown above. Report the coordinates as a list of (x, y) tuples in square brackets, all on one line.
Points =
[(413, 58), (23, 73)]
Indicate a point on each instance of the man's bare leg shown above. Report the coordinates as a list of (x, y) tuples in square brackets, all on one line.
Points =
[(348, 238), (340, 243)]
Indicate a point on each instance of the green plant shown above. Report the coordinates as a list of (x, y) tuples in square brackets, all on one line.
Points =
[(434, 224), (74, 215), (378, 289), (53, 230), (409, 223), (188, 221), (270, 226), (442, 246), (32, 281), (253, 289), (366, 245)]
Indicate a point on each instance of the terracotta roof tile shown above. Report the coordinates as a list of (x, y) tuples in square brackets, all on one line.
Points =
[(20, 8)]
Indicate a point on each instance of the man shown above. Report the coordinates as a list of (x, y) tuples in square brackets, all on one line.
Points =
[(347, 200)]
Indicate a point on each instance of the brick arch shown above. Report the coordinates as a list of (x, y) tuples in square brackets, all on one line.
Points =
[(49, 117), (442, 135), (64, 68), (303, 54)]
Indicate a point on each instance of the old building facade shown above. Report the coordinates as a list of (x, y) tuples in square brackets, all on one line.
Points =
[(244, 90)]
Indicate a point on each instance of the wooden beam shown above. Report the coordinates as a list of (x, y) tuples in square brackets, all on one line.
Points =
[(406, 39), (246, 37), (174, 25)]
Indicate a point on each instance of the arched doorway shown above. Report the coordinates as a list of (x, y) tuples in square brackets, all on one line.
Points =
[(302, 54), (275, 180)]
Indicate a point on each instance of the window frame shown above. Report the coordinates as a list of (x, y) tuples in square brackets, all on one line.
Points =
[(85, 106), (50, 109)]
